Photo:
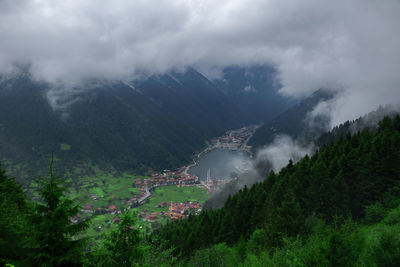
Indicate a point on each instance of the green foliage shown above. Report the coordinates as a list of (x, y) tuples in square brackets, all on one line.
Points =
[(383, 247), (218, 255), (121, 247), (256, 243), (14, 226), (55, 238), (350, 244), (157, 125), (65, 147), (336, 183), (374, 213), (123, 243), (157, 256), (340, 207)]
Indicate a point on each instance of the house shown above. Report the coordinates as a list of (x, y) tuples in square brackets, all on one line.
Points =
[(112, 208), (99, 211), (87, 208), (152, 217)]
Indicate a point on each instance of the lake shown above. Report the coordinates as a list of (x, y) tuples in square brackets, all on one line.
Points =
[(222, 163)]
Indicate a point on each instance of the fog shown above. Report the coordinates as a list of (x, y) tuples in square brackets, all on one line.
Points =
[(345, 46), (273, 157)]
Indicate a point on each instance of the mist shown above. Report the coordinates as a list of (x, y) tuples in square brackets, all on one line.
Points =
[(345, 46), (372, 119), (273, 157)]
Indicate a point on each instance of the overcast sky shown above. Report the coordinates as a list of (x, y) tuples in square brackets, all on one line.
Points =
[(351, 45)]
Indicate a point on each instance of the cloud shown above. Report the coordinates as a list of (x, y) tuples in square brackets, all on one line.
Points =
[(274, 157), (346, 45), (281, 150)]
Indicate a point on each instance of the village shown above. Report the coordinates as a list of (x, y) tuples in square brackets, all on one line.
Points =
[(145, 188), (176, 211), (142, 189), (235, 139)]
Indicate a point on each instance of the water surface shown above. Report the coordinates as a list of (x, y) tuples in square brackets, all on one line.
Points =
[(222, 163)]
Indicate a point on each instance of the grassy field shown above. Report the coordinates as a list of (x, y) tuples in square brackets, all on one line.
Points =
[(172, 194), (102, 224), (100, 190), (105, 190)]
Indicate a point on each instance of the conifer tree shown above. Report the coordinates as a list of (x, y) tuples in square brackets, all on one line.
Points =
[(55, 238), (123, 245), (14, 227)]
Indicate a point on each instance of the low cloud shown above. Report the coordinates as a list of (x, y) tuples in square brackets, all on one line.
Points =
[(281, 150), (319, 119), (274, 157), (351, 45), (372, 119)]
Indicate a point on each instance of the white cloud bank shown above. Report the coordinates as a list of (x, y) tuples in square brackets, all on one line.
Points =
[(281, 150), (348, 45)]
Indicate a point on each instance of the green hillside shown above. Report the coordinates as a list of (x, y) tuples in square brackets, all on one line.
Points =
[(339, 207), (294, 122), (157, 122), (336, 184)]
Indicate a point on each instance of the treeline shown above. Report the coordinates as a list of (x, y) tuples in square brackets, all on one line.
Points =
[(335, 184), (41, 233), (340, 207), (340, 244)]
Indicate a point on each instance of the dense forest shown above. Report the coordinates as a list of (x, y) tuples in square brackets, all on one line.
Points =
[(155, 122), (339, 207), (338, 183)]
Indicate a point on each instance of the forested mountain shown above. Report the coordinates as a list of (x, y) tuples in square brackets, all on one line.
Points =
[(154, 122), (337, 183), (339, 207), (254, 89), (370, 120), (294, 121)]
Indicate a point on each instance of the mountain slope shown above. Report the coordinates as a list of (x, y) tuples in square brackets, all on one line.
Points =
[(336, 183), (255, 89), (293, 122), (157, 122)]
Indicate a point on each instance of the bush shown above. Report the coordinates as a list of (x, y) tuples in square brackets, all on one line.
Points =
[(374, 213), (219, 255)]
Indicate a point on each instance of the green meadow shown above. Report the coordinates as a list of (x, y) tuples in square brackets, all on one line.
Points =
[(108, 189)]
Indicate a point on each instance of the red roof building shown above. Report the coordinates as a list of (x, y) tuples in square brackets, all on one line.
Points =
[(152, 217), (112, 208), (87, 207)]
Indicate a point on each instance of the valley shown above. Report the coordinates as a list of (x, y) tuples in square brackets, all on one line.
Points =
[(126, 126), (199, 133), (159, 196)]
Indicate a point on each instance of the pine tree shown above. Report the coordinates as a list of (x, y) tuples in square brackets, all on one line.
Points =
[(123, 244), (55, 238), (14, 227)]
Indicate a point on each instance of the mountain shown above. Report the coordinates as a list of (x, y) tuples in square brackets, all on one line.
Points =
[(370, 120), (294, 121), (339, 207), (255, 90), (354, 178), (155, 122)]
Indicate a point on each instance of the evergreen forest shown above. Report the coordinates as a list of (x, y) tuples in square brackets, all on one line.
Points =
[(338, 207)]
